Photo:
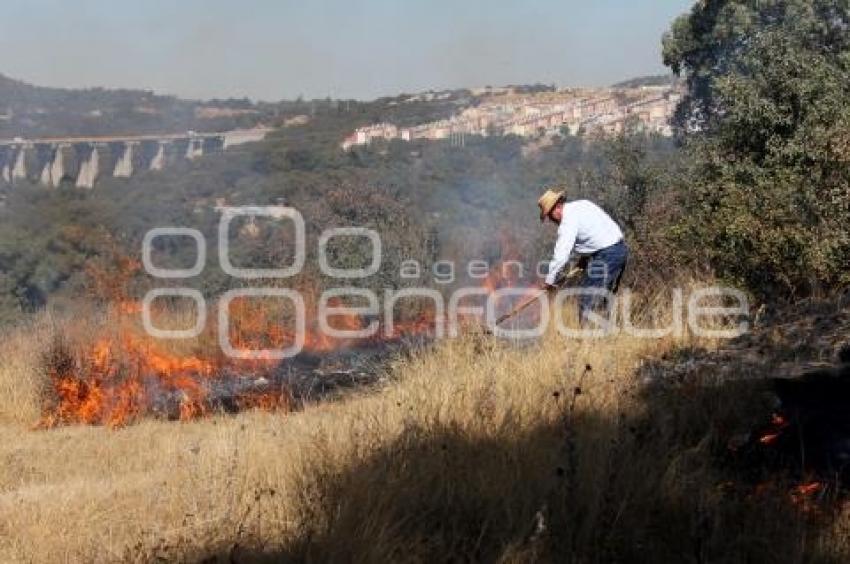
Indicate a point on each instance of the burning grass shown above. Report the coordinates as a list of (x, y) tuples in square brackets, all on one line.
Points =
[(109, 371), (475, 451), (112, 373)]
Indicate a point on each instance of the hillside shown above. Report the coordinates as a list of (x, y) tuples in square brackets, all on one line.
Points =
[(651, 80), (616, 450), (695, 410), (480, 194), (36, 111), (32, 111)]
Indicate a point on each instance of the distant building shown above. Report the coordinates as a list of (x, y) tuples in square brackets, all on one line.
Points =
[(502, 111), (365, 135)]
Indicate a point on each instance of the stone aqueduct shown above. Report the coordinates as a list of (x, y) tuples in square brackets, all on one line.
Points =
[(82, 160)]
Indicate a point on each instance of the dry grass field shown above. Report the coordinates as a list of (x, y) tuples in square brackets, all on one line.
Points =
[(474, 450)]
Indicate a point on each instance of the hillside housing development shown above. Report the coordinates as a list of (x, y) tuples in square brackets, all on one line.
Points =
[(561, 112)]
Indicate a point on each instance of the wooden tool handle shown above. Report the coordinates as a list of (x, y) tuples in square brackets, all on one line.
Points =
[(521, 306), (561, 280)]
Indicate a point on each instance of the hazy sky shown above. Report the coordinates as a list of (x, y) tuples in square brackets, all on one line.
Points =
[(273, 49)]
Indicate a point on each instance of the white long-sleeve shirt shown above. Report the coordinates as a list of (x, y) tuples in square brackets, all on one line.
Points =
[(585, 228)]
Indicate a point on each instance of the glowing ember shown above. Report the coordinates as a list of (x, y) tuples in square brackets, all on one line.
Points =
[(769, 438), (808, 489), (778, 423), (803, 497)]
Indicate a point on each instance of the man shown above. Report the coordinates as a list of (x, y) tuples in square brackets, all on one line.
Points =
[(585, 228)]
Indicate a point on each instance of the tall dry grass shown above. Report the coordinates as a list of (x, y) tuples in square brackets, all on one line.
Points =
[(29, 349), (22, 380), (477, 450)]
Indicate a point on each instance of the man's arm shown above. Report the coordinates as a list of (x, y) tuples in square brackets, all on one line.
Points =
[(567, 233)]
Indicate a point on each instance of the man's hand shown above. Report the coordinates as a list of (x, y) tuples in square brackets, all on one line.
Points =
[(548, 287), (583, 262)]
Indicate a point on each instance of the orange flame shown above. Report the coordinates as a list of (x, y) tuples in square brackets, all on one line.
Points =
[(121, 377), (124, 376), (110, 384)]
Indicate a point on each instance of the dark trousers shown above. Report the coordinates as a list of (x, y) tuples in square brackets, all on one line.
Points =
[(604, 270)]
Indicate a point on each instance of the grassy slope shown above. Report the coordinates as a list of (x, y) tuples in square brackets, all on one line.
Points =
[(475, 451)]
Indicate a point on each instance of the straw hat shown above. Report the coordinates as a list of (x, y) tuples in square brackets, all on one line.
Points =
[(548, 201)]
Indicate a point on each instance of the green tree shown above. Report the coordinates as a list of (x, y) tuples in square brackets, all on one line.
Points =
[(766, 122)]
